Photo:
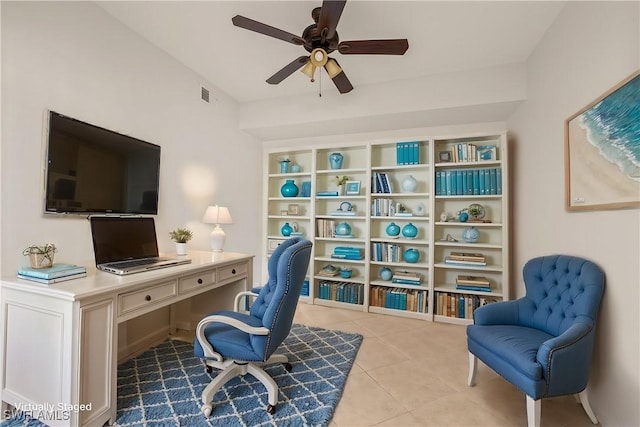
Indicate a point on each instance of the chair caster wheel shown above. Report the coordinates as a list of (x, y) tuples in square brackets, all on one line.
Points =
[(271, 409), (288, 366), (209, 369), (206, 410)]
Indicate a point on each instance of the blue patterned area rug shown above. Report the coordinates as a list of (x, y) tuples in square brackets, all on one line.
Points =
[(162, 386)]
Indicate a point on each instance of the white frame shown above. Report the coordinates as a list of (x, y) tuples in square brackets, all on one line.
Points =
[(352, 188)]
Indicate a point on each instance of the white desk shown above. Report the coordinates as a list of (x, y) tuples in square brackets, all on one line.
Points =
[(59, 342)]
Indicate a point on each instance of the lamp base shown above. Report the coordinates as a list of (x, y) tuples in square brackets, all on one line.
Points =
[(217, 239)]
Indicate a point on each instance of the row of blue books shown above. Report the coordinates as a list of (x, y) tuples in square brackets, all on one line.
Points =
[(54, 274), (408, 153), (459, 305), (347, 252), (381, 183), (398, 299), (352, 293), (467, 182), (386, 252)]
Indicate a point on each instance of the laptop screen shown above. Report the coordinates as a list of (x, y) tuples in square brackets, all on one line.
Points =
[(119, 239)]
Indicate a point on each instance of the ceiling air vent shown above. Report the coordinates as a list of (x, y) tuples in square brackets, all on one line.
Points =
[(204, 94)]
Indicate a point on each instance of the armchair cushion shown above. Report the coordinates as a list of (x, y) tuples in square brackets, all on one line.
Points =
[(230, 341)]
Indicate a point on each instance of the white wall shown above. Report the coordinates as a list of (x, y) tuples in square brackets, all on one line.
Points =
[(590, 48), (76, 59)]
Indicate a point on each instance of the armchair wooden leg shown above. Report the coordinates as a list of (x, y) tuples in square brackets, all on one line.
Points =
[(533, 411), (584, 400), (473, 365)]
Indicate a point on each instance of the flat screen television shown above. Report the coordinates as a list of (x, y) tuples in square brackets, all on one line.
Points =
[(92, 170)]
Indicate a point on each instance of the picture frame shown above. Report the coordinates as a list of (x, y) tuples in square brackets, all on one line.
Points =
[(352, 188), (293, 209), (444, 156), (284, 212), (599, 172)]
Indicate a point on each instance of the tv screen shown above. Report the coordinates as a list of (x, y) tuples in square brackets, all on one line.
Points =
[(91, 170)]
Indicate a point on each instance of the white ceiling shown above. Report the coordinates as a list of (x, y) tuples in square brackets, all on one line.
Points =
[(444, 37)]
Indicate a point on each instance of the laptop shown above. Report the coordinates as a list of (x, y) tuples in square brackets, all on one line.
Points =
[(127, 245)]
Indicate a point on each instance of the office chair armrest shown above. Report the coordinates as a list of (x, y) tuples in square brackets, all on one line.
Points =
[(568, 354), (497, 313), (240, 298), (216, 318)]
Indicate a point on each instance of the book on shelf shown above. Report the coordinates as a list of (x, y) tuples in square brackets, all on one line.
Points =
[(448, 260), (472, 280), (55, 271), (53, 280), (473, 288), (464, 256), (347, 250), (326, 193), (347, 256), (343, 213), (403, 214), (406, 281), (407, 275)]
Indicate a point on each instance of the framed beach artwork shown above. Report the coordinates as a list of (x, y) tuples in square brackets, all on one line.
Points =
[(602, 151)]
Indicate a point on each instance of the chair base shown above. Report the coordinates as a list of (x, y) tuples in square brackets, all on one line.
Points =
[(533, 406), (231, 369)]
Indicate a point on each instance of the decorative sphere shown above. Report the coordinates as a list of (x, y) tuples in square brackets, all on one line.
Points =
[(410, 231), (343, 229), (409, 184), (470, 235), (286, 230), (411, 255), (289, 189), (385, 273), (393, 230), (463, 217)]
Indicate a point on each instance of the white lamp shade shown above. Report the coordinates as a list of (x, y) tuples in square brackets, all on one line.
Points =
[(217, 215)]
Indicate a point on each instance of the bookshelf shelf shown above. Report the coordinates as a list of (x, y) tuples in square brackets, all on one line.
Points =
[(376, 165)]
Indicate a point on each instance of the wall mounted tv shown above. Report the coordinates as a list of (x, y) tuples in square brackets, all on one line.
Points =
[(91, 170)]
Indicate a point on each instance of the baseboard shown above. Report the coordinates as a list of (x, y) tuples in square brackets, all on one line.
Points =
[(135, 348)]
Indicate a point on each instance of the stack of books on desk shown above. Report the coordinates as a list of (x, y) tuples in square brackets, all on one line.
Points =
[(466, 258), (406, 278), (473, 283), (347, 252), (56, 273)]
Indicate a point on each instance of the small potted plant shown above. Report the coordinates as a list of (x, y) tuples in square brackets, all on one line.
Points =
[(40, 256), (340, 182), (181, 236)]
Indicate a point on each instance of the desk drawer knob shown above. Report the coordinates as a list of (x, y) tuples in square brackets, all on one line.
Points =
[(148, 297), (199, 281), (233, 271)]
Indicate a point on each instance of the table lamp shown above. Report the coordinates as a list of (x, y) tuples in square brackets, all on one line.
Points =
[(217, 215)]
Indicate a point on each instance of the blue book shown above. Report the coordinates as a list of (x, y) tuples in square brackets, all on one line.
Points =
[(498, 180), (57, 270), (476, 182), (493, 187), (482, 186), (326, 193), (438, 180), (459, 183), (400, 153), (407, 282), (448, 185), (461, 307), (407, 152), (415, 153), (473, 288)]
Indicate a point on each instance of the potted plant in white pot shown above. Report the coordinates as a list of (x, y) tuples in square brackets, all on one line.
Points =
[(340, 182), (181, 236)]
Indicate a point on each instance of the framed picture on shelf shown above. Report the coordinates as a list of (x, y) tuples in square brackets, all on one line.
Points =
[(284, 213), (352, 188), (602, 153), (444, 156), (293, 209)]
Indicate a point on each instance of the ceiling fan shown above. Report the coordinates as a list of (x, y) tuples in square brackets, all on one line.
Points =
[(320, 39)]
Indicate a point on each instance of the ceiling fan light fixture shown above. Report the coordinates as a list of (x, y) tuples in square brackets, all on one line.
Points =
[(332, 67), (318, 57), (309, 70)]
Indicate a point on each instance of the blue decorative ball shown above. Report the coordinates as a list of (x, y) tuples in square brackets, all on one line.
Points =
[(393, 230), (289, 189), (343, 229), (470, 235), (385, 273), (410, 231), (463, 217), (411, 255)]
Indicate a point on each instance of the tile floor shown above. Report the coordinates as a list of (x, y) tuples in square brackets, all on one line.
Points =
[(414, 373)]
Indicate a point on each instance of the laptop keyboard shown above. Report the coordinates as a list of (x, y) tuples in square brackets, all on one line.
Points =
[(136, 263)]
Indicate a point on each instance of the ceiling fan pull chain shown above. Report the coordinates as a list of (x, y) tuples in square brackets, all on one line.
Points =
[(320, 83)]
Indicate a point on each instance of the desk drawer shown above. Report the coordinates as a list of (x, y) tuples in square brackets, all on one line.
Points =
[(235, 270), (146, 297), (203, 279)]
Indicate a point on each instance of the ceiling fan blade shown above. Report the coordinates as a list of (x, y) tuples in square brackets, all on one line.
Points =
[(342, 82), (267, 30), (329, 16), (374, 47), (288, 69)]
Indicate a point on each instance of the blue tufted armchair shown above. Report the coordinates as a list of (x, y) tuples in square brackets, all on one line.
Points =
[(240, 343), (543, 342)]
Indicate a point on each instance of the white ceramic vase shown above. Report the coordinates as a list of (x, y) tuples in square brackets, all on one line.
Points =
[(409, 184), (181, 248)]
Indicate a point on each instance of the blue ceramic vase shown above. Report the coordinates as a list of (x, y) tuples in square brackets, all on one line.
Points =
[(289, 189), (286, 229), (343, 229), (470, 235), (335, 160), (410, 231), (284, 166), (385, 273), (411, 255), (393, 230)]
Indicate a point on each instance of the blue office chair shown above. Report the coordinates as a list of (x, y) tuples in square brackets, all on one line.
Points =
[(542, 343), (239, 343)]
